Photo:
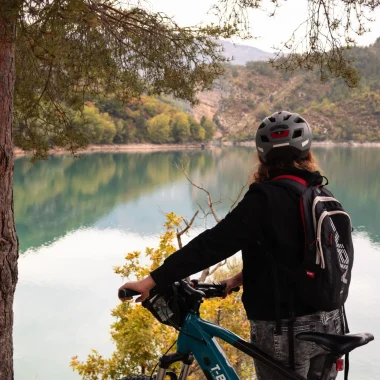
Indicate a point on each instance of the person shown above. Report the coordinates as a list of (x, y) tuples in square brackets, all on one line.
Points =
[(267, 219)]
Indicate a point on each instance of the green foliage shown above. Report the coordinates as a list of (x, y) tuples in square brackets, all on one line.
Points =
[(209, 128), (159, 128), (250, 86), (180, 127), (97, 127), (69, 50), (197, 131), (107, 120)]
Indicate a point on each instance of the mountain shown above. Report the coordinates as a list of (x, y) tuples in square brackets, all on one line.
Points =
[(247, 94), (243, 53)]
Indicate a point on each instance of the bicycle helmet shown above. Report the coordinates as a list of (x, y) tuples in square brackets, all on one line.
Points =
[(283, 136)]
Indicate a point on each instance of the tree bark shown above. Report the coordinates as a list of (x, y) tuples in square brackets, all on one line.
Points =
[(8, 237)]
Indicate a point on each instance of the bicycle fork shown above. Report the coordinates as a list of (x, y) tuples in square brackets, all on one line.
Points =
[(167, 360)]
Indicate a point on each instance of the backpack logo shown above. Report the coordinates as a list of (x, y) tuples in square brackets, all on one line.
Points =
[(343, 256)]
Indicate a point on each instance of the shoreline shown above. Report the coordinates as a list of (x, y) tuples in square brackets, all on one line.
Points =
[(146, 148), (115, 148)]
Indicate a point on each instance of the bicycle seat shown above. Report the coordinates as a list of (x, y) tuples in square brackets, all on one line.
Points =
[(337, 344)]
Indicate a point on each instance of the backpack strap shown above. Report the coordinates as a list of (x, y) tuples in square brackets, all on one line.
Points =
[(292, 182)]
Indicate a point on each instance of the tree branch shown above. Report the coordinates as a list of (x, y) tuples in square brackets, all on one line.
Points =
[(200, 187), (238, 197), (188, 225)]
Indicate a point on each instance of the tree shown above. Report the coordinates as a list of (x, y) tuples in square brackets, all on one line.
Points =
[(159, 129), (209, 128), (63, 50), (95, 126), (8, 237), (180, 127)]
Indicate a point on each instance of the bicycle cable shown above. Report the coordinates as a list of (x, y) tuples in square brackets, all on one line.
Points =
[(151, 375)]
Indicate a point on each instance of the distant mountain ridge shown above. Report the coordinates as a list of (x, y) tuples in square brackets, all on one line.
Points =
[(243, 53), (247, 93)]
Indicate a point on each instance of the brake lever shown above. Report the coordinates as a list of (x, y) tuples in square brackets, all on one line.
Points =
[(190, 290)]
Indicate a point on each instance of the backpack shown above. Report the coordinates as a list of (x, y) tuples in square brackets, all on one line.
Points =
[(323, 279)]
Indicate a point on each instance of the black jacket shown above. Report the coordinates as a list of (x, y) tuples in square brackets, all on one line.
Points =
[(267, 219)]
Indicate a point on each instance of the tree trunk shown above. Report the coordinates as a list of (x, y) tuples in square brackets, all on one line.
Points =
[(8, 237)]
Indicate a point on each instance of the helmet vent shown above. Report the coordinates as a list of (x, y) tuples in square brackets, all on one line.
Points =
[(264, 139), (262, 125), (297, 133), (272, 119), (299, 120), (287, 117)]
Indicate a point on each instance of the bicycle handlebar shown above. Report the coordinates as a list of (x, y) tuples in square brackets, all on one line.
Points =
[(204, 289)]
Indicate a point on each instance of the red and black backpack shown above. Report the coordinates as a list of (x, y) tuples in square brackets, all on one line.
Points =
[(322, 280), (324, 277)]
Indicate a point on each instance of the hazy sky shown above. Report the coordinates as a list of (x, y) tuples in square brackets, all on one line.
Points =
[(270, 31)]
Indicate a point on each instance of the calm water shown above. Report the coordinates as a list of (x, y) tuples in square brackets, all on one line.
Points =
[(76, 219)]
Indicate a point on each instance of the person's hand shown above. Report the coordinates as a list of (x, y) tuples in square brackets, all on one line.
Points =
[(142, 286), (232, 282)]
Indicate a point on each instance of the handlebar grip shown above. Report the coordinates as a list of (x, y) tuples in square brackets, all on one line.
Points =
[(125, 293)]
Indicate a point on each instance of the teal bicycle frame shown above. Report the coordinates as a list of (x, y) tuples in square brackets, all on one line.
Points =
[(197, 337)]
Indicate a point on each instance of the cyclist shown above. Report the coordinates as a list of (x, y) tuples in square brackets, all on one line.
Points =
[(267, 219)]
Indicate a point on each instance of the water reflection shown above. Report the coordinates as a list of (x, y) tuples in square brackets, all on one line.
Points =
[(64, 194)]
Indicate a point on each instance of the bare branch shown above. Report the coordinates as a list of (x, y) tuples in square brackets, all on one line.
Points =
[(208, 195), (208, 272), (188, 225), (239, 195), (219, 265), (204, 275)]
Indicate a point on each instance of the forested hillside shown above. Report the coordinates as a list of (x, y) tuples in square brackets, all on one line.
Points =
[(146, 120), (237, 104), (248, 93)]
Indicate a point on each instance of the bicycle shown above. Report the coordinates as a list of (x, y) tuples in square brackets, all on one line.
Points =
[(179, 307)]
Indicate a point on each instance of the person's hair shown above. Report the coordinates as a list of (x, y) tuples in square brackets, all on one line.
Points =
[(262, 174)]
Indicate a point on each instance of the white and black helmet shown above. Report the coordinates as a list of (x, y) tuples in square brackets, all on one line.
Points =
[(283, 136)]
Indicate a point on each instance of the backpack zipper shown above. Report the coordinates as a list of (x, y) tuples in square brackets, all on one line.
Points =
[(316, 200)]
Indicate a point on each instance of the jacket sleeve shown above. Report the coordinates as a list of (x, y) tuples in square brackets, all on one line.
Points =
[(235, 232)]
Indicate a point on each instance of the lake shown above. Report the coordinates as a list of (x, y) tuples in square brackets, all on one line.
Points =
[(78, 218)]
